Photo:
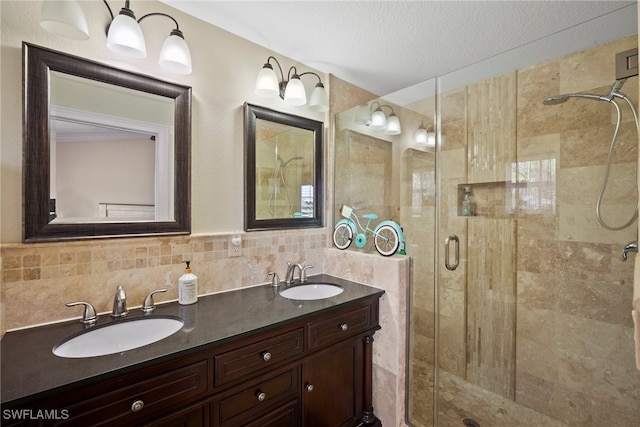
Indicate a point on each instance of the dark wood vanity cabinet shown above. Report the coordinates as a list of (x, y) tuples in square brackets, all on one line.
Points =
[(310, 372)]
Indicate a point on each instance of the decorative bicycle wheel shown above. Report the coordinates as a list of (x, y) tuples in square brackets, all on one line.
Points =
[(386, 240), (342, 236)]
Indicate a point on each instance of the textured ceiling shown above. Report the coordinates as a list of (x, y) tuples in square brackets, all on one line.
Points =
[(385, 46)]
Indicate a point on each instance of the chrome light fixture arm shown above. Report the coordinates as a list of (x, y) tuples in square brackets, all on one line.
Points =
[(319, 84), (282, 85), (175, 56), (127, 11), (174, 32), (126, 6), (290, 88)]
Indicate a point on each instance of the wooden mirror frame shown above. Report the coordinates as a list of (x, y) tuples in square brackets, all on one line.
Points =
[(37, 63), (251, 223)]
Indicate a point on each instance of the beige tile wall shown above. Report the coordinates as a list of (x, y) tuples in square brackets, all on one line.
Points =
[(38, 279), (572, 358), (574, 331), (390, 353)]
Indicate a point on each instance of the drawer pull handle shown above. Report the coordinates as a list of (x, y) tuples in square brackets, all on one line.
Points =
[(343, 327), (309, 388), (137, 406), (261, 396), (266, 356)]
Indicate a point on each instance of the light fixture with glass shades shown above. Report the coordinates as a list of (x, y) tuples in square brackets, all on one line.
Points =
[(378, 120), (291, 89), (124, 35), (423, 138), (64, 18)]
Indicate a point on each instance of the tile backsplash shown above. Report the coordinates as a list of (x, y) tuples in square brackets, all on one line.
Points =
[(38, 279)]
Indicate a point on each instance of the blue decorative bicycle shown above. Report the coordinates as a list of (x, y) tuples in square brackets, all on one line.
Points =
[(387, 235)]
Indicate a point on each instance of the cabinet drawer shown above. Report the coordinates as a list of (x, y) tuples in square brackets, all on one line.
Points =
[(141, 399), (258, 399), (257, 355), (285, 416), (340, 326)]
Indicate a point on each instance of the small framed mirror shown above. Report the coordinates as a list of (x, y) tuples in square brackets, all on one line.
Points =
[(283, 170), (107, 152)]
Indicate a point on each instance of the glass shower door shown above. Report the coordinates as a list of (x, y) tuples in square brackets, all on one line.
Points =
[(533, 327)]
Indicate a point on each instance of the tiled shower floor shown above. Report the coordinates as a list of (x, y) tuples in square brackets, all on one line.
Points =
[(459, 399)]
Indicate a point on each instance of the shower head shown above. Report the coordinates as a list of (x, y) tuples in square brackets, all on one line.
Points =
[(283, 164), (555, 100), (559, 99)]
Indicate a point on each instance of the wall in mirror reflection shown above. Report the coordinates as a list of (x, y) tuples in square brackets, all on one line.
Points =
[(111, 153), (285, 171)]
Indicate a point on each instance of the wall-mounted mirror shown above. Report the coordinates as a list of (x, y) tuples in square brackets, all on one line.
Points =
[(107, 152), (283, 170)]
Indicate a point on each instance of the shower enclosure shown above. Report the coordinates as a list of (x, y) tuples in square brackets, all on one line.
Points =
[(523, 317)]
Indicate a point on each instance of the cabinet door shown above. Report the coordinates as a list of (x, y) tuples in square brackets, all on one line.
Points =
[(332, 388)]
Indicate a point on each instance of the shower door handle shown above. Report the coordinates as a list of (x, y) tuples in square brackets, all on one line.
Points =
[(456, 251)]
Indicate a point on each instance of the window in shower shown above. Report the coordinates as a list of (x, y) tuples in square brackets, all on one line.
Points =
[(533, 187)]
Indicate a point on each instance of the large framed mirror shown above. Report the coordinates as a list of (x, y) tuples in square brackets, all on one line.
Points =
[(107, 152), (283, 170)]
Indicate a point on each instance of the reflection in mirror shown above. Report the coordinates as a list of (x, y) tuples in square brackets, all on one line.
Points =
[(109, 151), (106, 152), (283, 170)]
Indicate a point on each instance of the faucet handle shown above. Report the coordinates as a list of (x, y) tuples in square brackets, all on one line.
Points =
[(148, 306), (275, 280), (89, 317), (303, 272)]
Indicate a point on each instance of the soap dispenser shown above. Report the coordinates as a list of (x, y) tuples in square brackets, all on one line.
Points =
[(187, 287), (467, 202)]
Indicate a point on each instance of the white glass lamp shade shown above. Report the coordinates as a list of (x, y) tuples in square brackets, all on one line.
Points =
[(363, 115), (125, 36), (267, 82), (319, 99), (64, 18), (295, 94), (421, 137), (175, 56), (431, 139), (378, 120), (393, 125)]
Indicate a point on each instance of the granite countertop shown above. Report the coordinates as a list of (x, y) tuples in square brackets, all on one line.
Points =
[(28, 365)]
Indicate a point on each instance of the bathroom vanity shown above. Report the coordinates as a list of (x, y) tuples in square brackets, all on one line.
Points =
[(248, 357)]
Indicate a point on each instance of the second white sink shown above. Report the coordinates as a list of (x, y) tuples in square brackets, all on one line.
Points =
[(312, 291), (118, 336)]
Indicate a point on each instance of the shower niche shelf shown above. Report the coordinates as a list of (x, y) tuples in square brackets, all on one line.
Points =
[(490, 199)]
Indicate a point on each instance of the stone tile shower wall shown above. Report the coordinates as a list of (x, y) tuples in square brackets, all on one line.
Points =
[(535, 326), (38, 279)]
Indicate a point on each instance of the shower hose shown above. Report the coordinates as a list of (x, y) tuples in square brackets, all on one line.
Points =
[(608, 166)]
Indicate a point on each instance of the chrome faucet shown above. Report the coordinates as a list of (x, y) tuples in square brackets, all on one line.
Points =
[(119, 303), (630, 247), (291, 270)]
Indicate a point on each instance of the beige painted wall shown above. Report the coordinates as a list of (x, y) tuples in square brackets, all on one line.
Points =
[(224, 71)]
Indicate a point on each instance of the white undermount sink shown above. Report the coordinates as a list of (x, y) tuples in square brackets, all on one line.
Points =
[(118, 336), (312, 291)]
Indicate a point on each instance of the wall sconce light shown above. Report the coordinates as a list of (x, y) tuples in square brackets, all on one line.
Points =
[(424, 138), (378, 120), (124, 35), (291, 89), (65, 18)]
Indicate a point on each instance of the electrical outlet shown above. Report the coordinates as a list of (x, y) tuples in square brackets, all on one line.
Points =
[(235, 246)]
